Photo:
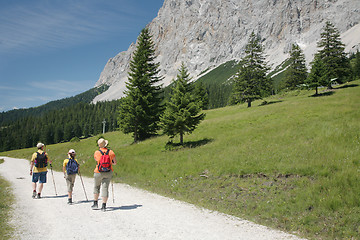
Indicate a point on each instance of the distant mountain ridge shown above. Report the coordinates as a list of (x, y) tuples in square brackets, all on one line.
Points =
[(207, 33)]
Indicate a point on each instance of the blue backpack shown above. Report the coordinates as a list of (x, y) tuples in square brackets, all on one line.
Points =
[(72, 166)]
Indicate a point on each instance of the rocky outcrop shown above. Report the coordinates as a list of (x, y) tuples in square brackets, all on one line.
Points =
[(206, 33)]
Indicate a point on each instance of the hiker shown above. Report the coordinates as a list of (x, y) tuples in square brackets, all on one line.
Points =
[(70, 169), (105, 159), (38, 169)]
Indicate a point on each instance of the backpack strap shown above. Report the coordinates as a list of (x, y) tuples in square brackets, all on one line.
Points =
[(101, 152)]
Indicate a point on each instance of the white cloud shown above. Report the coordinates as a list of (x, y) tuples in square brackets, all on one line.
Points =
[(63, 87)]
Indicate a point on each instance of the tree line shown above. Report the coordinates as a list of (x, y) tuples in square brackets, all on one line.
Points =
[(70, 123)]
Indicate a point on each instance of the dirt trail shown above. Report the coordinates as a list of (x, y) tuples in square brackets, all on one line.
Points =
[(135, 214)]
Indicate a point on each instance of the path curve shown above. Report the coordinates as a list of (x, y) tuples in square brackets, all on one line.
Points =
[(135, 214)]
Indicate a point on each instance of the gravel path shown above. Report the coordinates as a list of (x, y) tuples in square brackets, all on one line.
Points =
[(135, 214)]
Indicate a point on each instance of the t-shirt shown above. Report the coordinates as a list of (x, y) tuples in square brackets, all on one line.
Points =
[(34, 156), (97, 157)]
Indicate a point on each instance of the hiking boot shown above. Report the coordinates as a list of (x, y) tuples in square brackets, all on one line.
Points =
[(103, 208), (38, 196), (34, 194), (95, 205), (70, 201)]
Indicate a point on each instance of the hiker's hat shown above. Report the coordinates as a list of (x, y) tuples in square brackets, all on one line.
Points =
[(72, 151), (40, 145), (102, 143)]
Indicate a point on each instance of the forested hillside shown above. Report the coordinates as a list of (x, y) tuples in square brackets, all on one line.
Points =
[(85, 97)]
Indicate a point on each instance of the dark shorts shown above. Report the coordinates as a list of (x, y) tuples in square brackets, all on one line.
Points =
[(41, 177)]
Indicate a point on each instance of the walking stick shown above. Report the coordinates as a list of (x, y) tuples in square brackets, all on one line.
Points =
[(83, 186), (53, 179), (112, 187)]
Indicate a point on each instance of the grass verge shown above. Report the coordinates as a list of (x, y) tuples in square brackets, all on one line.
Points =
[(6, 199)]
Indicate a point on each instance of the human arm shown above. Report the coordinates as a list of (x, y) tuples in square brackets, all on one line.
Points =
[(32, 163), (114, 161)]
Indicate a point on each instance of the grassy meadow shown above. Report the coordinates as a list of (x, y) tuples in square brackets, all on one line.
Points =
[(292, 164), (6, 200)]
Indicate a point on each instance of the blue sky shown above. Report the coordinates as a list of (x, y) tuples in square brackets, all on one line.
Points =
[(52, 49)]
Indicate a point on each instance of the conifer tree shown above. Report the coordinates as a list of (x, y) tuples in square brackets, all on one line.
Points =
[(182, 110), (332, 54), (250, 82), (296, 73), (357, 65), (201, 95), (317, 76), (139, 112)]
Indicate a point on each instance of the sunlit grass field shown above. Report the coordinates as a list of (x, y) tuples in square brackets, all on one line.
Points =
[(292, 164)]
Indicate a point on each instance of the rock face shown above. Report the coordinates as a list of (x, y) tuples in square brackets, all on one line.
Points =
[(206, 33)]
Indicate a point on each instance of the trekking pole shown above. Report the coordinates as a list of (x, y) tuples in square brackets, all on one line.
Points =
[(83, 186), (112, 187), (53, 178)]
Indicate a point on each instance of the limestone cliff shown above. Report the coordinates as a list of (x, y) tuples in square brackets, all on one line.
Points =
[(206, 33)]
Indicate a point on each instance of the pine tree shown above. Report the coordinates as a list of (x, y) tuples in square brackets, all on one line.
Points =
[(250, 82), (182, 110), (139, 112), (296, 73), (357, 65), (333, 56), (201, 95), (317, 76)]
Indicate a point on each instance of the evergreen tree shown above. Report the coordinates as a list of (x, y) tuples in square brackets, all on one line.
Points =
[(140, 111), (317, 76), (250, 82), (182, 110), (356, 69), (201, 95), (296, 73), (332, 54)]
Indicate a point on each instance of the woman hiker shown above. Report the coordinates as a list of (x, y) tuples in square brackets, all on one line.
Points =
[(105, 159), (70, 169)]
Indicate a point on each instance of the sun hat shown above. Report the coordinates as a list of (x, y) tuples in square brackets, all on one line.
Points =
[(72, 151), (102, 143), (40, 145)]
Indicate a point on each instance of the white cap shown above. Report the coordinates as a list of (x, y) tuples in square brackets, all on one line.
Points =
[(72, 151), (40, 145)]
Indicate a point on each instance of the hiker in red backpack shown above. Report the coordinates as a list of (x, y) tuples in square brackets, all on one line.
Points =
[(105, 159), (38, 169), (70, 169)]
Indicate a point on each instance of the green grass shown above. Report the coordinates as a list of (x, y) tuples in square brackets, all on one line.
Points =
[(292, 164), (6, 200)]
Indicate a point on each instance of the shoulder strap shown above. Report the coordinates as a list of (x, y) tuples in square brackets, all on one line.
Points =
[(101, 152), (107, 152)]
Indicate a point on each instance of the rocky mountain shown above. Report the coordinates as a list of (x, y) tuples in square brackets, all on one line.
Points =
[(206, 33)]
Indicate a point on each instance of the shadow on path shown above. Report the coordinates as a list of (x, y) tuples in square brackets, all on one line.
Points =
[(131, 207)]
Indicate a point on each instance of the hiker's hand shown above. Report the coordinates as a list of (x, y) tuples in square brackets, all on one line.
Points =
[(30, 172)]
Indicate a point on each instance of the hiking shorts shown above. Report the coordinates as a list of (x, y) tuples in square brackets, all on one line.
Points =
[(70, 180), (102, 179), (40, 176)]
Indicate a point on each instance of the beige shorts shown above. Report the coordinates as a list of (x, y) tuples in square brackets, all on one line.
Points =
[(70, 180), (102, 179)]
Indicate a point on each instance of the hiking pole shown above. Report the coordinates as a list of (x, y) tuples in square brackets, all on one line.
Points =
[(83, 186), (112, 187), (53, 179)]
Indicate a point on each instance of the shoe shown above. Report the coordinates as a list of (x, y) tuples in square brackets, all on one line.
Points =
[(34, 194), (38, 196), (70, 201), (103, 208), (95, 206)]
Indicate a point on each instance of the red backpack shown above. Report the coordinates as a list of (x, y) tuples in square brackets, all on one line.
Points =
[(105, 162)]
